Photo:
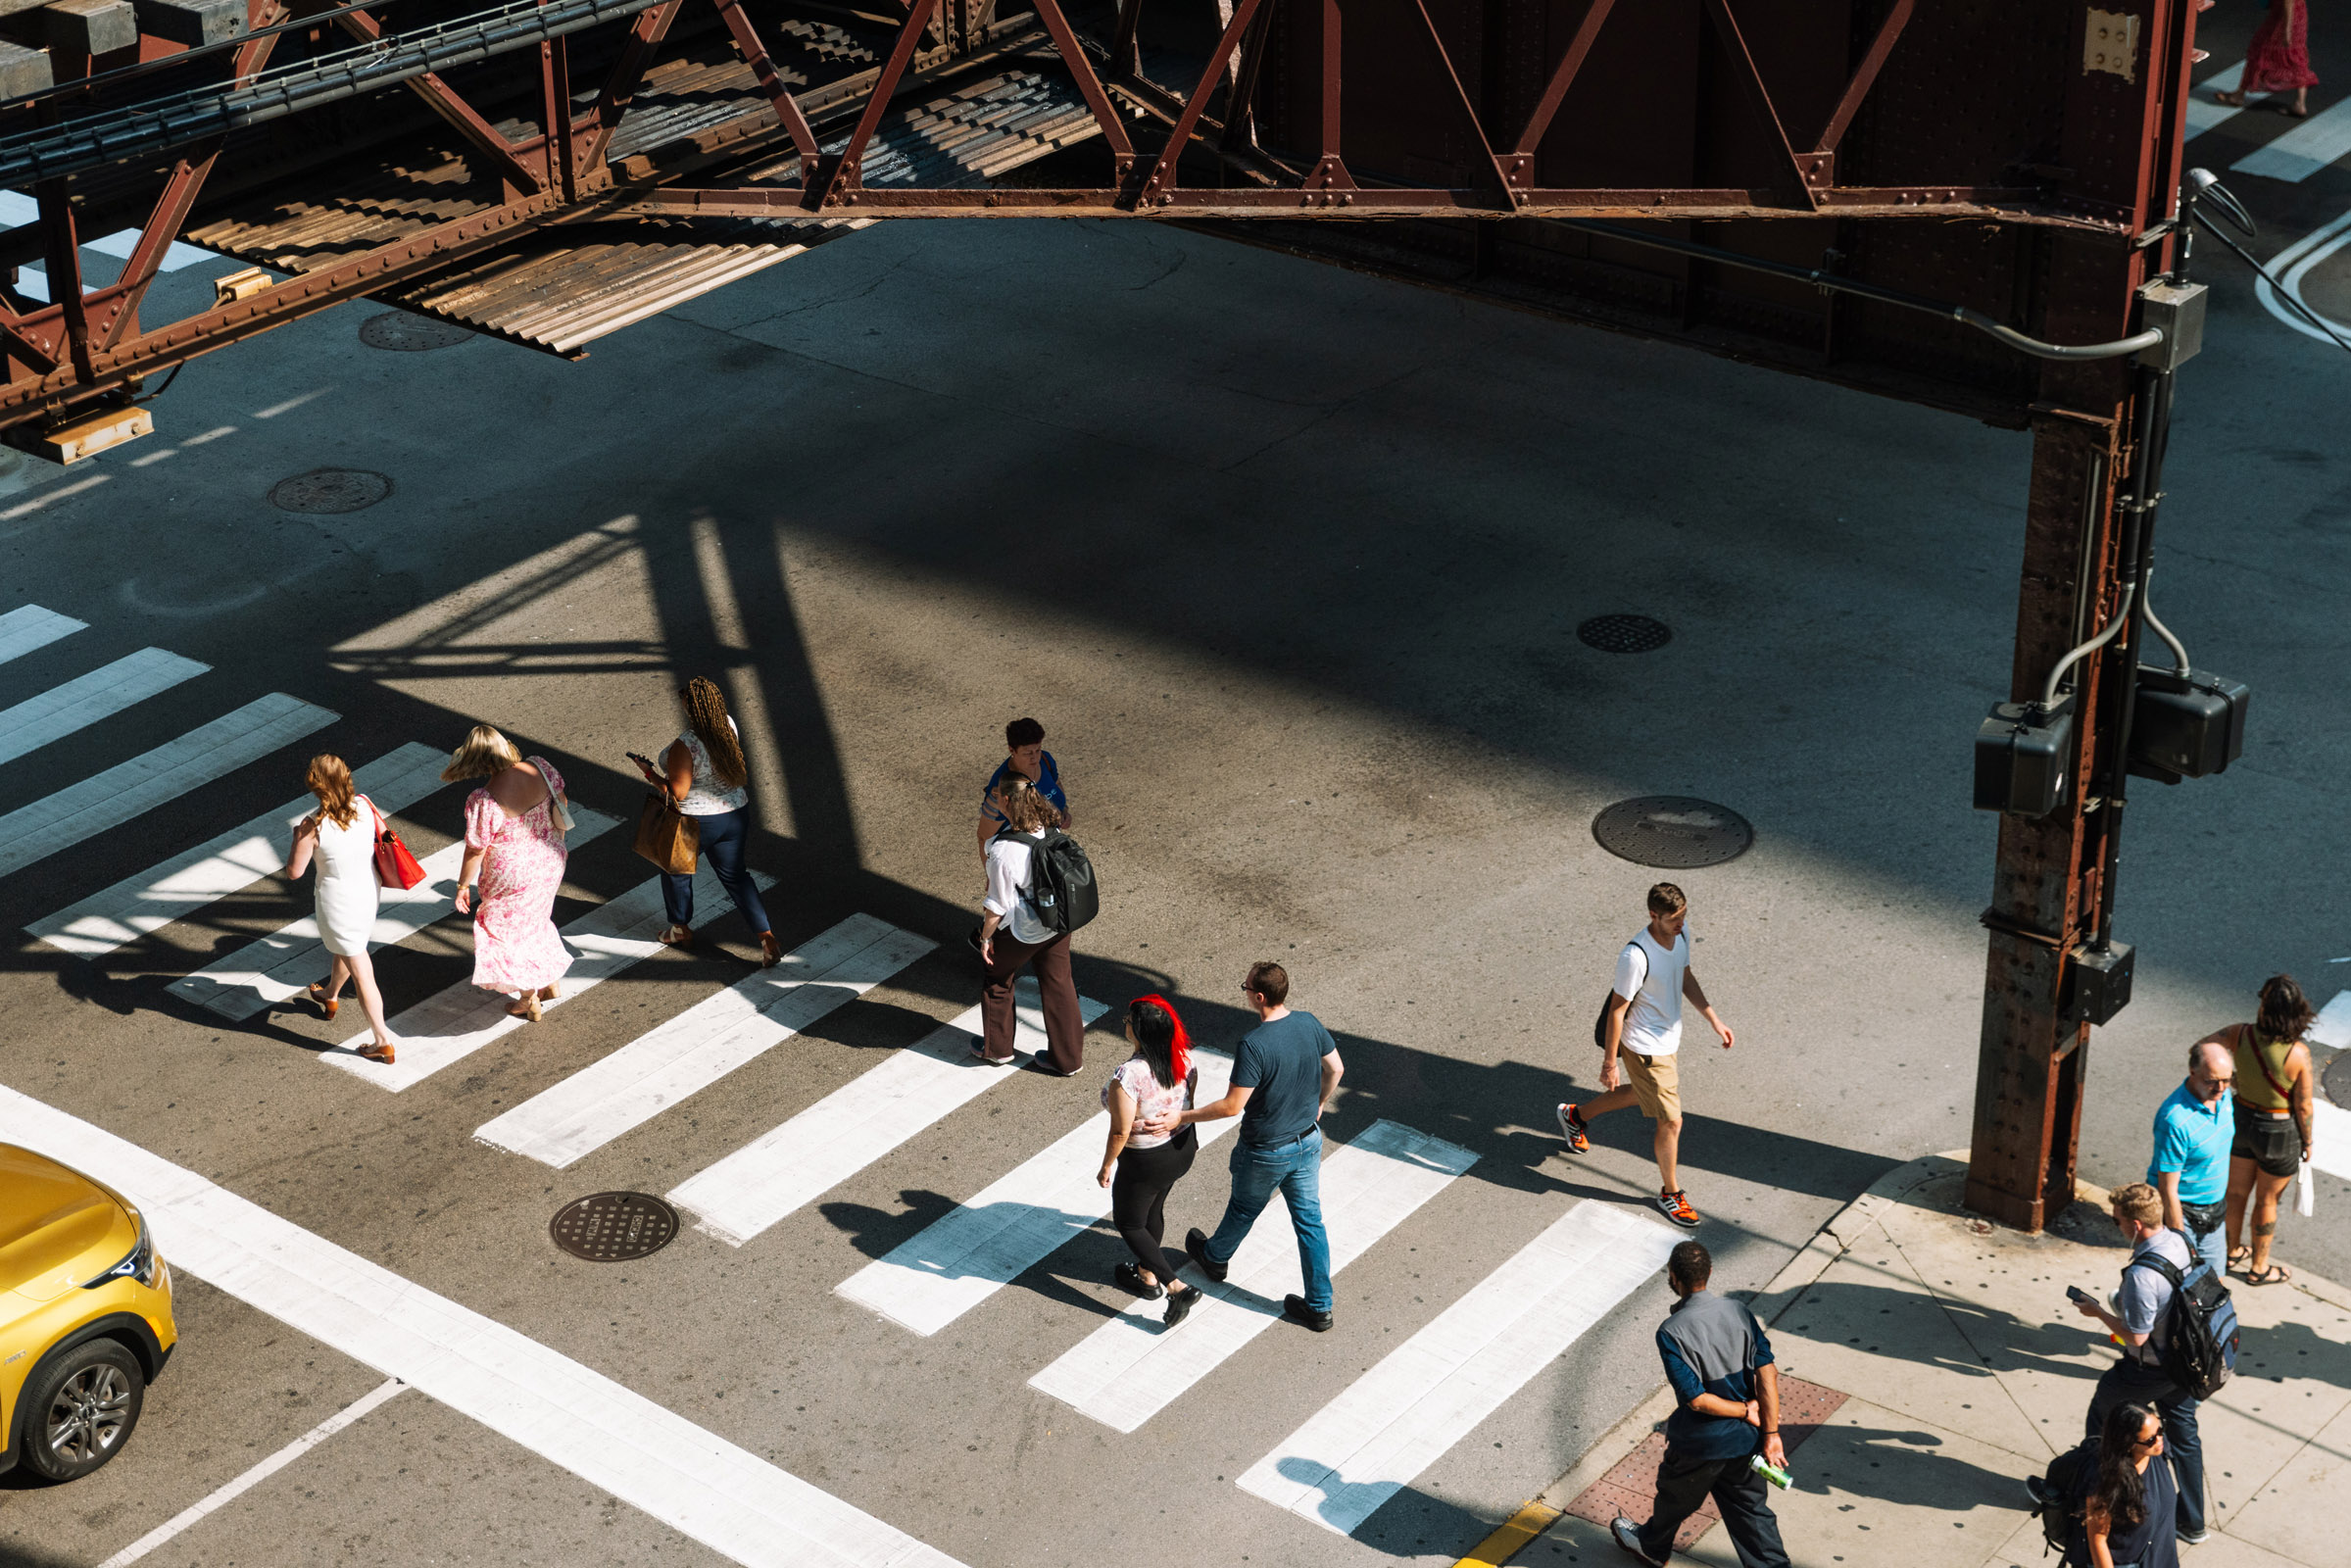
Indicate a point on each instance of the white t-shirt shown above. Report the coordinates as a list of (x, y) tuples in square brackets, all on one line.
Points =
[(1651, 977), (1012, 862)]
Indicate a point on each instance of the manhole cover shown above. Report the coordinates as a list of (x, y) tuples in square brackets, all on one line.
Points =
[(613, 1227), (2338, 1079), (403, 333), (330, 490), (1673, 831), (1625, 634)]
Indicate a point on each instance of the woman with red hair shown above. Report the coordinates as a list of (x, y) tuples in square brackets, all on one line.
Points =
[(2277, 60), (1140, 1168)]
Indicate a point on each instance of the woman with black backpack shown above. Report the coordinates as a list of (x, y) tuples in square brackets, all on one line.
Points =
[(1017, 931), (2130, 1504)]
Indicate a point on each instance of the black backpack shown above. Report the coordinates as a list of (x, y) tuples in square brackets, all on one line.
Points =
[(2199, 1350), (1600, 1025), (2062, 1486), (1062, 889)]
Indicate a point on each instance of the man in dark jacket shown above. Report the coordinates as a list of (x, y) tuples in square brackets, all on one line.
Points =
[(1726, 1411)]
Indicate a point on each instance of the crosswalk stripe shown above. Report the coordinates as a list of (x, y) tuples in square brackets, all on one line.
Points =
[(851, 1128), (219, 866), (1133, 1367), (1011, 1225), (616, 1440), (30, 626), (1433, 1390), (206, 753), (2202, 113), (2330, 1139), (459, 1021), (263, 973), (704, 1044), (2312, 145), (87, 699)]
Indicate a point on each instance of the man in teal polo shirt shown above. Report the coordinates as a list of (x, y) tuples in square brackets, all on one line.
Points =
[(2190, 1168)]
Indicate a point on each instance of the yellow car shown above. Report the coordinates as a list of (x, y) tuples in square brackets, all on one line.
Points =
[(85, 1317)]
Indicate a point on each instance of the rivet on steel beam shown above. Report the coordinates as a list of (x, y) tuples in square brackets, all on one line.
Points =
[(1347, 201)]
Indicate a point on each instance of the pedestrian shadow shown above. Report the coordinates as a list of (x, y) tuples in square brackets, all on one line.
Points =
[(1906, 1468), (879, 1232), (1401, 1521), (1996, 1342)]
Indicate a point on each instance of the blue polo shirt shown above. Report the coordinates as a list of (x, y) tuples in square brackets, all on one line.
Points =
[(1049, 785), (2193, 1138)]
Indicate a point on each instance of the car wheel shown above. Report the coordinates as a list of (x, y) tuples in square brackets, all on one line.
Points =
[(79, 1410)]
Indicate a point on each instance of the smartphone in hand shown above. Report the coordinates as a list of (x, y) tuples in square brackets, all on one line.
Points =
[(642, 760), (2080, 1295)]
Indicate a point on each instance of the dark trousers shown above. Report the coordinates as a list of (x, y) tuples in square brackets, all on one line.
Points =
[(1139, 1199), (1740, 1496), (1064, 1028), (724, 838), (2126, 1381)]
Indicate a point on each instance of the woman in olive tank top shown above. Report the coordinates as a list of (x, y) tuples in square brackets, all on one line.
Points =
[(2273, 1123)]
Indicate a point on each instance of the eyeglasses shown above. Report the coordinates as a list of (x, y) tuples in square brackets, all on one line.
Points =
[(2148, 1443)]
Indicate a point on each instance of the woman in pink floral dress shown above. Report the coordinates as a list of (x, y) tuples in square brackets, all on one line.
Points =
[(515, 838)]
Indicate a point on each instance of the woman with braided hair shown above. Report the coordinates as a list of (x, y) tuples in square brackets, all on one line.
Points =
[(705, 773)]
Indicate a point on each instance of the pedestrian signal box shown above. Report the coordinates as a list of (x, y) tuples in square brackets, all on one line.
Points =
[(2185, 726), (2024, 758), (2097, 984)]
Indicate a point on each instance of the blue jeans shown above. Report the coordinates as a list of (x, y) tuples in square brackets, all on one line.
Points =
[(2211, 1247), (723, 839), (1296, 1169), (2129, 1382)]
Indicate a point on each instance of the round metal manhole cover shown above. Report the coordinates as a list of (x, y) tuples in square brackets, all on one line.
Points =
[(2338, 1079), (613, 1227), (1673, 831), (403, 333), (1624, 634), (329, 491)]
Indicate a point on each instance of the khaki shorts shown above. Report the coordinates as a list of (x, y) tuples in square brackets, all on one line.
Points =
[(1656, 1083)]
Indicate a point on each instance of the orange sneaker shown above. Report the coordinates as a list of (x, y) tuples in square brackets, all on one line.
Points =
[(1675, 1206)]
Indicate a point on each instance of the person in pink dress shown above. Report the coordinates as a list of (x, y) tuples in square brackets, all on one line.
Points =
[(515, 826), (2277, 60)]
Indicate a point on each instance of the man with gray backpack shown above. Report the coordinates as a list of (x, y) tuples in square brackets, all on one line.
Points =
[(1040, 889), (2177, 1329)]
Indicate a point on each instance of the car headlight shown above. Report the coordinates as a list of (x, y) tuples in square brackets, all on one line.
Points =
[(140, 1264)]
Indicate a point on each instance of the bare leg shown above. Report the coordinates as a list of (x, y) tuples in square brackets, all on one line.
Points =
[(2240, 1196), (1616, 1098), (2265, 1219), (372, 1001), (1669, 1151), (337, 973), (2301, 108)]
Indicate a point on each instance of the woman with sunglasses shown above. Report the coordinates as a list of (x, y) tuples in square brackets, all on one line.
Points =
[(2128, 1517)]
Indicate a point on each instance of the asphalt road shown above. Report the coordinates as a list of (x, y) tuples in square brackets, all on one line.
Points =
[(1290, 562)]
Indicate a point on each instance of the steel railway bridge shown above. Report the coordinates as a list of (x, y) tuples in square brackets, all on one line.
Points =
[(1915, 197)]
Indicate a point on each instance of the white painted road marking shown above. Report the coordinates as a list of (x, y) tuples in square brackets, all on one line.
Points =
[(2330, 1139), (30, 626), (1433, 1390), (255, 1476), (1011, 1225), (102, 801), (691, 1480), (2312, 145), (87, 699), (851, 1127), (461, 1020), (220, 865), (1133, 1367), (2294, 264), (2202, 113), (2332, 1025), (263, 973), (704, 1044)]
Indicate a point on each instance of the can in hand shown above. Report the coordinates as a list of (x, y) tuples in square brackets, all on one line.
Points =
[(1770, 1472)]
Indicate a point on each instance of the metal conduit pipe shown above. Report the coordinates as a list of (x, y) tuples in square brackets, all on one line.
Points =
[(1830, 282), (2114, 628), (143, 129)]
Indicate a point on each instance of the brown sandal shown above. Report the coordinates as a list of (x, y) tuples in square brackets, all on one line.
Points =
[(327, 1006), (772, 951), (382, 1053), (527, 1007)]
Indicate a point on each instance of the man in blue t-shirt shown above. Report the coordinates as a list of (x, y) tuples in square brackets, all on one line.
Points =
[(1725, 1412), (2194, 1131), (1025, 755), (1283, 1076)]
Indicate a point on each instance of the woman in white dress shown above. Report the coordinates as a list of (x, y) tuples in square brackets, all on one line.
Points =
[(340, 834)]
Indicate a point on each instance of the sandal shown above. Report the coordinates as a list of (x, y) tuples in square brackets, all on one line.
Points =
[(327, 1006), (676, 936), (772, 951), (527, 1007), (382, 1053), (2275, 1274), (2239, 1256), (2235, 100)]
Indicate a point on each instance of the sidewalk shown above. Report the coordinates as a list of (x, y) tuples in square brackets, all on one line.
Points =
[(1947, 1365)]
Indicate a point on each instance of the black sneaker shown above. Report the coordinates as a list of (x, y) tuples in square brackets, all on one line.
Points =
[(979, 1054), (1041, 1062), (1294, 1307), (1130, 1277), (1180, 1305), (2195, 1538), (2038, 1491), (1628, 1536), (1196, 1243)]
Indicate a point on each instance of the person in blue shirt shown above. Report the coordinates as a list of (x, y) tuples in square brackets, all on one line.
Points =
[(1025, 755), (1725, 1412), (2194, 1128)]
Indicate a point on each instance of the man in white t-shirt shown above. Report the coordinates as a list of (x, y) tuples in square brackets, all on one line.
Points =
[(1642, 1024)]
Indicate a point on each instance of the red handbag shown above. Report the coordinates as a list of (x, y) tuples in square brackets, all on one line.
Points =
[(395, 865)]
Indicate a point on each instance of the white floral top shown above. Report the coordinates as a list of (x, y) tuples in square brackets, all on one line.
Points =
[(1135, 1076)]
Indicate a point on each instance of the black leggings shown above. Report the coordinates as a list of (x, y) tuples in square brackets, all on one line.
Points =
[(1139, 1199)]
